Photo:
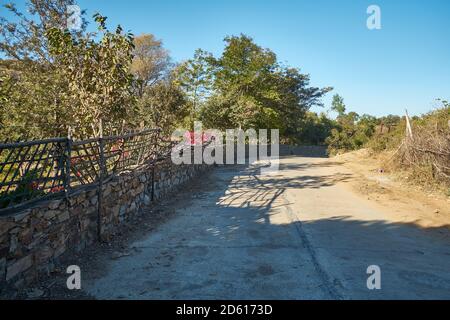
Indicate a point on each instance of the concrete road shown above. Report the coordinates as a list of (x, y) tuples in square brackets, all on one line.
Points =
[(297, 234)]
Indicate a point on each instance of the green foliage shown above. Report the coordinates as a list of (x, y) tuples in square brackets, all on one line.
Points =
[(35, 106), (338, 105), (315, 129), (57, 78), (23, 38), (250, 89), (99, 81), (25, 190), (352, 131), (163, 105), (388, 140), (150, 62), (195, 77)]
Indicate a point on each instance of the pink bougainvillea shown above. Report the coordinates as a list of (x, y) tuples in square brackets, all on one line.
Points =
[(195, 138)]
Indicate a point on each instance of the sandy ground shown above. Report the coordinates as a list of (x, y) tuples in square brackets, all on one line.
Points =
[(308, 231), (404, 201)]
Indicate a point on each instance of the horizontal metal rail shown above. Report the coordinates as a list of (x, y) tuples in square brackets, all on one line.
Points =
[(47, 168)]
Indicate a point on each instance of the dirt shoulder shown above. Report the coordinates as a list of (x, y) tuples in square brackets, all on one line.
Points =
[(406, 202)]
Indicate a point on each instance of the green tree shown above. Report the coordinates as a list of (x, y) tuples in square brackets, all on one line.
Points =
[(315, 129), (36, 103), (150, 61), (338, 105), (24, 37), (163, 105), (195, 78), (98, 76), (252, 90)]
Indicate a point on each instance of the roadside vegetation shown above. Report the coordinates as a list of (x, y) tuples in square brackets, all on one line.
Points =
[(420, 154), (53, 79)]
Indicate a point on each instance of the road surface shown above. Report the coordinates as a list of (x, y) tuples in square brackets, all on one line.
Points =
[(298, 234)]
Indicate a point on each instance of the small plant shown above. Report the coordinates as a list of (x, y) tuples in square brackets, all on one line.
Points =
[(27, 188)]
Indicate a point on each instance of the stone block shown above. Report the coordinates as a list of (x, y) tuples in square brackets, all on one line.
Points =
[(53, 205), (22, 217), (43, 254), (63, 216), (50, 214), (5, 226), (2, 270), (19, 266)]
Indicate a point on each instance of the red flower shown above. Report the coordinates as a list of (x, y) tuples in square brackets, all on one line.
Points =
[(57, 189), (195, 138), (34, 185)]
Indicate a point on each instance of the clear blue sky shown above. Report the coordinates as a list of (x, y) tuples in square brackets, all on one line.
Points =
[(405, 64)]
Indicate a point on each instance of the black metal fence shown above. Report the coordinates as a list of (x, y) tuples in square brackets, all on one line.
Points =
[(35, 170)]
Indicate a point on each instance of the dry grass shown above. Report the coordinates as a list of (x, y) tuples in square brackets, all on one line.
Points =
[(424, 157)]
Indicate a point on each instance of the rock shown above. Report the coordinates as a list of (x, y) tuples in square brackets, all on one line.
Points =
[(59, 251), (2, 269), (94, 200), (19, 266), (54, 204), (22, 217), (115, 211), (5, 226), (50, 214), (63, 216), (44, 255), (147, 200), (13, 245), (107, 191), (26, 236)]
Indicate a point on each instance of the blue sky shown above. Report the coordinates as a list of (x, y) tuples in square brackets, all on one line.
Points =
[(406, 64)]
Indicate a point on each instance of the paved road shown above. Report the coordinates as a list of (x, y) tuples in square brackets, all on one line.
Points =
[(298, 234)]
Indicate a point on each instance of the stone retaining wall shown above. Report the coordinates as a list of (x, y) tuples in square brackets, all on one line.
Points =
[(32, 240)]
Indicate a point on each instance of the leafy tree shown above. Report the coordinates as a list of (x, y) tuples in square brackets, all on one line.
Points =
[(295, 98), (315, 129), (195, 78), (36, 106), (98, 76), (352, 130), (36, 103), (338, 105), (252, 90), (24, 38), (150, 62), (163, 105)]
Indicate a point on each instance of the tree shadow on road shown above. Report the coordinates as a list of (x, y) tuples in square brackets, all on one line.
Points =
[(414, 260)]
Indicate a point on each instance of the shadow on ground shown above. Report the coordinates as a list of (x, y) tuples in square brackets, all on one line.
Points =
[(235, 236)]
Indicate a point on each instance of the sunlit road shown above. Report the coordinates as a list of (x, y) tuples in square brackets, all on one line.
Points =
[(296, 234)]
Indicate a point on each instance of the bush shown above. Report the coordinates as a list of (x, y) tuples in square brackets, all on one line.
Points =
[(427, 153)]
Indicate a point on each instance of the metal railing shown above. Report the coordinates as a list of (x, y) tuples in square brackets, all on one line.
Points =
[(34, 170)]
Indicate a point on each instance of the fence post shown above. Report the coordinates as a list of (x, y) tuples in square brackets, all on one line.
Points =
[(155, 159), (100, 183), (153, 182), (68, 163)]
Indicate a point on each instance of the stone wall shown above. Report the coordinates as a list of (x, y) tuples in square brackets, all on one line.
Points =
[(32, 239)]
